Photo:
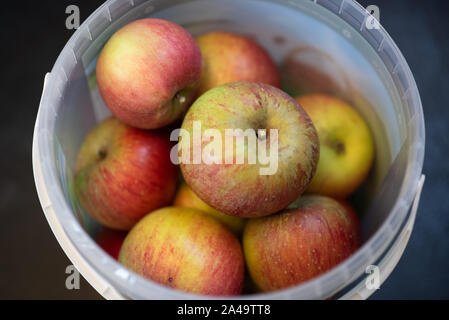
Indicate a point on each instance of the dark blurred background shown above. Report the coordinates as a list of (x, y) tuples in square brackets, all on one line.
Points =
[(32, 33)]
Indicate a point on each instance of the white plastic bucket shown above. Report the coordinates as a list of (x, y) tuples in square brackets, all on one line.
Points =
[(330, 35)]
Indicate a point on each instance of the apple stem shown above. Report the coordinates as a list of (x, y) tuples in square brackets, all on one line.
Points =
[(102, 153), (261, 134), (339, 147), (181, 99)]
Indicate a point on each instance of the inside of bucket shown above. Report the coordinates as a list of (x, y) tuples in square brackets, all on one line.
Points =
[(302, 37)]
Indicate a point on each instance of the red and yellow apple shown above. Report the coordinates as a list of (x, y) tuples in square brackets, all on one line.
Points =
[(310, 237), (122, 173), (243, 188), (185, 197), (111, 241), (346, 145), (229, 57), (148, 73), (185, 249)]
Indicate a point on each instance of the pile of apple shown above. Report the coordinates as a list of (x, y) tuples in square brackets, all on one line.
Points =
[(201, 231)]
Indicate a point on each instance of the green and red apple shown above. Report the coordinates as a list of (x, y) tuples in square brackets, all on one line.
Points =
[(148, 73), (243, 188), (310, 237), (185, 197), (122, 173), (229, 57), (185, 249), (346, 145)]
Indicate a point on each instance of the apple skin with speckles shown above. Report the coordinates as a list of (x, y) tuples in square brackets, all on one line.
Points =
[(122, 173), (346, 146), (311, 236), (239, 189), (230, 57), (148, 73), (185, 249)]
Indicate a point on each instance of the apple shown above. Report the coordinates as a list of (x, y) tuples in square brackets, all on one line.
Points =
[(122, 173), (186, 249), (148, 73), (310, 237), (249, 188), (307, 70), (229, 57), (346, 145), (185, 197), (111, 241)]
